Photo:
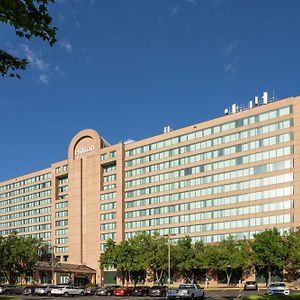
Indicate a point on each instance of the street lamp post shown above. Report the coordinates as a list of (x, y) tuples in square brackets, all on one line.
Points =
[(169, 259), (52, 263), (169, 262)]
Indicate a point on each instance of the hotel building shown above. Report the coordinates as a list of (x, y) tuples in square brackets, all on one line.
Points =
[(234, 175)]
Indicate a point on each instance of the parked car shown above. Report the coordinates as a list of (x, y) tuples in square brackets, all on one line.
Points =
[(29, 290), (158, 291), (66, 291), (250, 286), (44, 290), (278, 288), (91, 290), (10, 289), (107, 291), (140, 291), (122, 291), (186, 291)]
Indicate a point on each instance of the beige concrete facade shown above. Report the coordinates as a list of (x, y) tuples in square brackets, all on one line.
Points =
[(237, 174)]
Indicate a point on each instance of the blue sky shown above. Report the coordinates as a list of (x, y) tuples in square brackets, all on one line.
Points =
[(127, 68)]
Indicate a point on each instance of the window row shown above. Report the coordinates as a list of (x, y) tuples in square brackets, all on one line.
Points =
[(63, 189), (61, 223), (63, 240), (27, 213), (108, 226), (108, 206), (211, 190), (109, 178), (212, 130), (109, 187), (61, 214), (112, 154), (249, 222), (275, 140), (26, 221), (63, 231), (39, 227), (61, 204), (25, 182), (27, 189), (108, 216), (221, 213), (62, 180), (25, 198), (62, 249), (109, 235), (216, 238), (61, 169), (25, 205), (213, 167), (39, 235), (246, 134), (249, 197), (109, 168), (108, 196)]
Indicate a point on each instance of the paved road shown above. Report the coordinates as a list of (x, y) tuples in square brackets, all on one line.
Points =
[(225, 294)]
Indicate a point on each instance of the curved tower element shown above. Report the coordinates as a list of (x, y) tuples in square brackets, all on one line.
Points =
[(84, 178)]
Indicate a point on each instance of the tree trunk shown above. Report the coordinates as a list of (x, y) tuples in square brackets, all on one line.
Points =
[(269, 274), (228, 275)]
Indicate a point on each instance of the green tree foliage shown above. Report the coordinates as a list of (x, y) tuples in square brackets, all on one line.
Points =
[(293, 251), (270, 251), (19, 255), (158, 257), (226, 256), (119, 257), (186, 259), (109, 259), (29, 18)]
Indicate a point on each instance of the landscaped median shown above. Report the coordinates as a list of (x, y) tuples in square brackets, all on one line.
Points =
[(273, 297)]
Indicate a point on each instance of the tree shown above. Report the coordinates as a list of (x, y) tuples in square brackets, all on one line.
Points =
[(185, 258), (119, 257), (270, 252), (293, 259), (29, 18), (226, 256), (19, 256)]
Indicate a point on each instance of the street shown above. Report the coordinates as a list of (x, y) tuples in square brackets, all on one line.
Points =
[(228, 294)]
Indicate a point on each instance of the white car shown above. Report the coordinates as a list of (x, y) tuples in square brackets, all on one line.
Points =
[(43, 290), (278, 288), (66, 291)]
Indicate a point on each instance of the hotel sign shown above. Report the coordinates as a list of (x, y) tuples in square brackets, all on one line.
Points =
[(84, 150)]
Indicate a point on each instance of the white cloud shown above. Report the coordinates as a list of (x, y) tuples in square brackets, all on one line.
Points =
[(35, 60), (192, 1), (229, 48), (66, 45), (61, 17), (59, 71), (42, 70), (174, 11), (44, 78)]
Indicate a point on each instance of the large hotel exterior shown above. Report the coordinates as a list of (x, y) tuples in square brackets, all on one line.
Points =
[(233, 175)]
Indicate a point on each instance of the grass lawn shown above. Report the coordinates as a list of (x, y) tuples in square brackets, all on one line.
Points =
[(274, 297), (9, 298)]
